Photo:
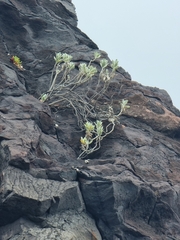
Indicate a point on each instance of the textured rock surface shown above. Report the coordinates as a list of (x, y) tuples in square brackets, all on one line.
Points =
[(131, 187)]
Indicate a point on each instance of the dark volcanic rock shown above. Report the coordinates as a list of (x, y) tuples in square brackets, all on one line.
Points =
[(130, 189), (35, 197)]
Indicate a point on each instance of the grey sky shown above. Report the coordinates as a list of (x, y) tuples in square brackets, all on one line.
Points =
[(144, 35)]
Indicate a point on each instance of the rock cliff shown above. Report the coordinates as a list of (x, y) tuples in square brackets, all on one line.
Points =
[(130, 189)]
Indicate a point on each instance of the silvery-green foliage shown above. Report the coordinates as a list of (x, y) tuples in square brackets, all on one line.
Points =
[(103, 63), (115, 65), (66, 57), (71, 66), (89, 126), (63, 92), (58, 57), (95, 132), (97, 55), (44, 97), (99, 127), (124, 104)]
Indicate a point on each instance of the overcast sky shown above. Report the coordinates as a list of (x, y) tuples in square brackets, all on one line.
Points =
[(144, 35)]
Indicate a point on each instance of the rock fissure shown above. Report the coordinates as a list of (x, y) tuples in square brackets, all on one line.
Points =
[(153, 210), (4, 43)]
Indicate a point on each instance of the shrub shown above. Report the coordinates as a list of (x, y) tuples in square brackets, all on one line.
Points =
[(64, 92)]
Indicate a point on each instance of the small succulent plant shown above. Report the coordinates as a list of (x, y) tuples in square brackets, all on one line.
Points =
[(17, 62)]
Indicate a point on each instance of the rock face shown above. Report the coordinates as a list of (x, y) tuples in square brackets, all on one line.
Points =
[(131, 187)]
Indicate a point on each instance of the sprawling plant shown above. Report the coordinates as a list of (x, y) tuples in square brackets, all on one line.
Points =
[(64, 92), (95, 132)]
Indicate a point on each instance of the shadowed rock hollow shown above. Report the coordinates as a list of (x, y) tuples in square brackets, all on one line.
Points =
[(130, 189)]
